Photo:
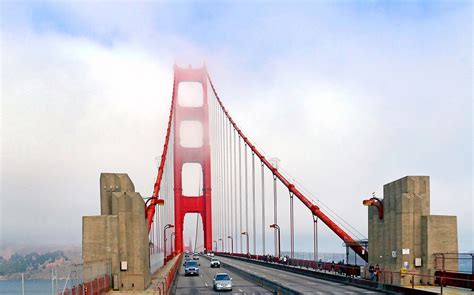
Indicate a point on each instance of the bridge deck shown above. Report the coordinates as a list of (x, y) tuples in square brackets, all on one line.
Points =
[(300, 283)]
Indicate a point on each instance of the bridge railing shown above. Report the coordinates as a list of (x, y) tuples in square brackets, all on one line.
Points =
[(94, 280), (412, 280), (97, 286), (165, 280)]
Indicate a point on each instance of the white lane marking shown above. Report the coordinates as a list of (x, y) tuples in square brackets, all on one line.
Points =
[(241, 290)]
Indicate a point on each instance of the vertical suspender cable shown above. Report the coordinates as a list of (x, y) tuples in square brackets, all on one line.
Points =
[(292, 228), (234, 144), (219, 175), (315, 242), (231, 188), (253, 207), (240, 194), (246, 197), (157, 230), (263, 209), (275, 216), (223, 203), (227, 189), (215, 187), (219, 171), (224, 160), (213, 171)]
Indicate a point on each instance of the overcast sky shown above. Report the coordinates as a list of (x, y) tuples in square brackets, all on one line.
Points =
[(348, 95)]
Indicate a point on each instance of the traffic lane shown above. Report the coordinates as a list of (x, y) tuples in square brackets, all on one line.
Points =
[(202, 284), (300, 283)]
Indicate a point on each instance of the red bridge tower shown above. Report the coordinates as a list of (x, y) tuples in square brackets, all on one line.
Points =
[(191, 204)]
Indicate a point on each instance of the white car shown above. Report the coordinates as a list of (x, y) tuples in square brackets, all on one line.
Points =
[(222, 281), (215, 263)]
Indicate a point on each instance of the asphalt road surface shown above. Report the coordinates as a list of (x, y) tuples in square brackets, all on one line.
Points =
[(202, 284), (300, 283)]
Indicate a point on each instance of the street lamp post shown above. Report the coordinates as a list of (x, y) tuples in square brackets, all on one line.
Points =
[(222, 245), (158, 201), (164, 235), (275, 226), (247, 235), (231, 244), (173, 235)]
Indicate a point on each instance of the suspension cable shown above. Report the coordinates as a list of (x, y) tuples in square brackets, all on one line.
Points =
[(359, 249), (150, 210)]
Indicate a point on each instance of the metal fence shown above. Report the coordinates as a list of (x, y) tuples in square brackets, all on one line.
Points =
[(94, 279), (454, 262)]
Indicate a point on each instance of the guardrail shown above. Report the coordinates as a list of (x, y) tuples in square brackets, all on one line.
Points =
[(163, 286), (98, 286), (95, 279)]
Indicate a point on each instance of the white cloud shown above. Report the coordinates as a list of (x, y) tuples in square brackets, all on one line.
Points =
[(346, 109), (73, 109)]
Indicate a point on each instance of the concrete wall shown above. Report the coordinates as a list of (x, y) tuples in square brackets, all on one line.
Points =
[(407, 230), (109, 183), (133, 240), (439, 236), (120, 234), (99, 244)]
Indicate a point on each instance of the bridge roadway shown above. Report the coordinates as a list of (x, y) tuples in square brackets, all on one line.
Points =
[(202, 284), (300, 283)]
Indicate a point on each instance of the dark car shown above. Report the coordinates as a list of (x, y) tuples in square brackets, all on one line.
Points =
[(191, 267)]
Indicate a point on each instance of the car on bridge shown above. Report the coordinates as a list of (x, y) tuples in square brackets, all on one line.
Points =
[(186, 259), (195, 256), (191, 268), (215, 263), (222, 282)]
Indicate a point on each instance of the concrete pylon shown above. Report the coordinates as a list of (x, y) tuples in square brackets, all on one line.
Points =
[(117, 240), (109, 183), (407, 236)]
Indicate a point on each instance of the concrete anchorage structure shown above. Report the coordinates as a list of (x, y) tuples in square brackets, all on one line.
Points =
[(405, 236), (118, 238)]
